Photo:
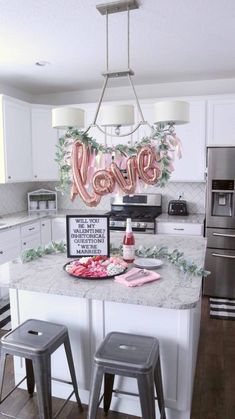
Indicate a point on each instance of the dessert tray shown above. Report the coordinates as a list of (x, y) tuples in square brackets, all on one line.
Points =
[(95, 267)]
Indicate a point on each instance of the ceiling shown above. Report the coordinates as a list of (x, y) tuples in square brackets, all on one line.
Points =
[(170, 41)]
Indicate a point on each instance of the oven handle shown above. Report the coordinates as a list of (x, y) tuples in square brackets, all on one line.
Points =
[(218, 255), (224, 235)]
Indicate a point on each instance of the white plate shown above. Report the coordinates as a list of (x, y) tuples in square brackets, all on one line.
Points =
[(148, 263)]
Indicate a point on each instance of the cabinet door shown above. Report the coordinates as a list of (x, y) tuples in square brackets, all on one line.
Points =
[(10, 246), (44, 140), (31, 242), (17, 140), (45, 231), (221, 122), (58, 229), (191, 167)]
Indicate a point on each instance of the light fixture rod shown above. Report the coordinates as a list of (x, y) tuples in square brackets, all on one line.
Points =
[(107, 41), (136, 98), (101, 98), (128, 37)]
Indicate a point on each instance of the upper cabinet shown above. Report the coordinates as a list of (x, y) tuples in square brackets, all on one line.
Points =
[(191, 167), (15, 140), (44, 140), (221, 122)]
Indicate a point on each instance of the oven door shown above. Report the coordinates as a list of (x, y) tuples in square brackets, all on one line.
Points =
[(221, 282)]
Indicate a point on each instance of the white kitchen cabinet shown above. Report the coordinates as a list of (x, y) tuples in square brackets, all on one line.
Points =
[(45, 226), (221, 122), (30, 236), (179, 228), (10, 244), (58, 229), (44, 140), (191, 167), (15, 140)]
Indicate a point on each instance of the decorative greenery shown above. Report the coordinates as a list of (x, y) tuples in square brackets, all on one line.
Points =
[(160, 137), (176, 258), (32, 254)]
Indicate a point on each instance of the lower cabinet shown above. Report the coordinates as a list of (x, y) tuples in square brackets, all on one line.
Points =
[(45, 227), (30, 235), (58, 229), (10, 244)]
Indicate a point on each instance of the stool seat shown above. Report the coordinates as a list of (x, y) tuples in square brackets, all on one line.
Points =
[(34, 336), (123, 350), (128, 355)]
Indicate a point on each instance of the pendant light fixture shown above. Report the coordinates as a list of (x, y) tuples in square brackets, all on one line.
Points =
[(167, 113)]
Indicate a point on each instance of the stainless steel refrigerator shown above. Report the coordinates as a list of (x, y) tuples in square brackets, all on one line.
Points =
[(220, 222)]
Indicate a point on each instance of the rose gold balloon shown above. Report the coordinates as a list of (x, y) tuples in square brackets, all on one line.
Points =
[(127, 185), (146, 159), (78, 187), (103, 182)]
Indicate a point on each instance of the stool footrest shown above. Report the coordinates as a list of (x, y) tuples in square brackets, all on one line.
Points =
[(127, 393), (63, 405)]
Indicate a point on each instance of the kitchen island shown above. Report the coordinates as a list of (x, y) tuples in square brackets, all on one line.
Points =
[(168, 309)]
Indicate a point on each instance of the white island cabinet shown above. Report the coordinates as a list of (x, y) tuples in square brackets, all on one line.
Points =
[(168, 309)]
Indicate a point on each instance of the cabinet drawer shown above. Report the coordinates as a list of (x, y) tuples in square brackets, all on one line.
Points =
[(30, 229), (179, 228)]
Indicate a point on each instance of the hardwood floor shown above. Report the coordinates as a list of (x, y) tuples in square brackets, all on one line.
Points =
[(214, 382)]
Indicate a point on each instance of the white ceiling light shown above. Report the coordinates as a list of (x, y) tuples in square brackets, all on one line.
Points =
[(67, 117), (176, 112)]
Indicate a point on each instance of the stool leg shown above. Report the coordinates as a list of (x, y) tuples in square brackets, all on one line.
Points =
[(2, 370), (42, 374), (146, 393), (95, 391), (72, 371), (30, 376), (159, 389), (108, 390)]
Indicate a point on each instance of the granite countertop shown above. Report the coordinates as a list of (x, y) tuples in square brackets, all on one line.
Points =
[(20, 218), (188, 219), (172, 291)]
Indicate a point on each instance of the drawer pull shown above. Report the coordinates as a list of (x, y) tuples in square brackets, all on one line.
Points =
[(218, 255), (24, 243), (179, 229), (1, 252), (32, 228), (43, 225), (224, 235)]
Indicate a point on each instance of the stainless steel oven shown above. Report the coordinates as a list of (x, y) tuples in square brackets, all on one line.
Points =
[(141, 208)]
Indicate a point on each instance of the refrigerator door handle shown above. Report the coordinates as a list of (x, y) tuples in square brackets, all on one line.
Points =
[(218, 255), (224, 235)]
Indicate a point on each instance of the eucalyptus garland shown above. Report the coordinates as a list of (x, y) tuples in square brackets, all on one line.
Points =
[(163, 146), (33, 254), (176, 257)]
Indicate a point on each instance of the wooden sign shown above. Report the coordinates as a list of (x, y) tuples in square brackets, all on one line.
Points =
[(87, 235)]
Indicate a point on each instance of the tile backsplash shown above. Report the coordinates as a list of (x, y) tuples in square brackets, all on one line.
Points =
[(13, 197)]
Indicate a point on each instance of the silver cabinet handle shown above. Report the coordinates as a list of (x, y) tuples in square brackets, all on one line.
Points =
[(218, 255), (1, 252), (224, 235), (32, 228), (179, 229)]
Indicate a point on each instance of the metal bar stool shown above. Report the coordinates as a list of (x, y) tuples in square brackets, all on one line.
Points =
[(130, 356), (36, 340)]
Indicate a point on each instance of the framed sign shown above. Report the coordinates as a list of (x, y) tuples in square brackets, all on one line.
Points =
[(87, 235)]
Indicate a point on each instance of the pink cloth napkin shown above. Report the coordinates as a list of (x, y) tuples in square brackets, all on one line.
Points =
[(140, 280)]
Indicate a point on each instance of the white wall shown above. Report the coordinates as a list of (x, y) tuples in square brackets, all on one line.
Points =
[(187, 88), (14, 92)]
